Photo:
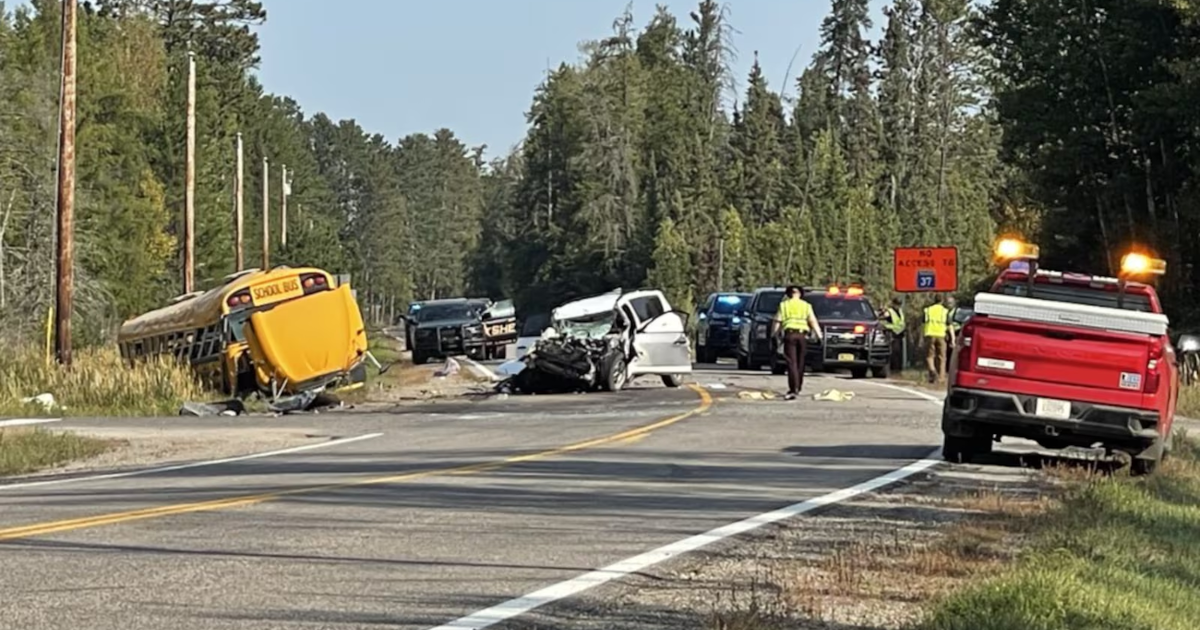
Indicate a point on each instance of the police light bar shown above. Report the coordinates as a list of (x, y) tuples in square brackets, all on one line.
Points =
[(850, 292), (1135, 264), (834, 290), (729, 299), (1010, 249)]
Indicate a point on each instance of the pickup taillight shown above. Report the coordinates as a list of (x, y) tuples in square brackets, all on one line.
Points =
[(1153, 367), (966, 354)]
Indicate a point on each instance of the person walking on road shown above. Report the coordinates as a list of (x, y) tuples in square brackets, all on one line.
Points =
[(795, 321), (939, 335)]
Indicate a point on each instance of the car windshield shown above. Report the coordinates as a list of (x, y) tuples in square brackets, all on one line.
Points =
[(850, 309), (729, 304), (592, 326), (1076, 294), (769, 302), (437, 312)]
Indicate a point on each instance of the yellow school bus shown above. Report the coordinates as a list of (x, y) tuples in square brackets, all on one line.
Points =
[(278, 332)]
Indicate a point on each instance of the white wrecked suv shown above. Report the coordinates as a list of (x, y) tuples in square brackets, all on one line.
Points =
[(603, 342)]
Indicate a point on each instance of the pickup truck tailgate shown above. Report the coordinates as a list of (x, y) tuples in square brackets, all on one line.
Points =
[(1060, 343), (1062, 355)]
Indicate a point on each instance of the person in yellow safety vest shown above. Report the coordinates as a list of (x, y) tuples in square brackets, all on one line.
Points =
[(893, 322), (938, 333), (795, 319)]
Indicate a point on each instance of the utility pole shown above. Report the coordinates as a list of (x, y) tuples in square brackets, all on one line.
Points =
[(189, 200), (65, 268), (283, 195), (266, 212), (239, 220)]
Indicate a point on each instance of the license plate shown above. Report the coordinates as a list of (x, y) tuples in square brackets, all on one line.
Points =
[(845, 357), (1053, 409), (276, 291)]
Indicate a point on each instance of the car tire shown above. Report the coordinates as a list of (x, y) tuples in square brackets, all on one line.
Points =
[(883, 371), (615, 373), (743, 363), (419, 358), (778, 368), (858, 373), (500, 354), (702, 354), (672, 380)]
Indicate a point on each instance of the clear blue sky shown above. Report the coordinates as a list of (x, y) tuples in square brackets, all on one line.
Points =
[(403, 66)]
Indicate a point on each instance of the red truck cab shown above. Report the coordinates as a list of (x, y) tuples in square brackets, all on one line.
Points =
[(1066, 360)]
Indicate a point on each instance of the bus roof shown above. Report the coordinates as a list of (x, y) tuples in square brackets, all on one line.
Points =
[(188, 313)]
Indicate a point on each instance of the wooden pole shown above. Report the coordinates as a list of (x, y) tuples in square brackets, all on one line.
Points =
[(189, 210), (283, 195), (65, 268), (266, 214), (239, 211)]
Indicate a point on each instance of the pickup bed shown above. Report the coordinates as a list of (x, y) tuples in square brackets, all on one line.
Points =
[(1065, 362)]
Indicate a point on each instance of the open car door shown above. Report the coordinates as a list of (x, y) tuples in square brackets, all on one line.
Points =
[(660, 341)]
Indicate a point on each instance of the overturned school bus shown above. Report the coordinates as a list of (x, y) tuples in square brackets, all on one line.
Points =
[(280, 332)]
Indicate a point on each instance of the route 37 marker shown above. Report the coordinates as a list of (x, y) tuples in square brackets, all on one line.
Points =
[(925, 269)]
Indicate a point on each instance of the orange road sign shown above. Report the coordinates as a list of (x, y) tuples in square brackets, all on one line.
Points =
[(926, 269)]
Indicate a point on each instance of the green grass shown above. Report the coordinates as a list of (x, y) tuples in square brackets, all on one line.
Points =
[(1118, 554), (24, 451), (98, 383)]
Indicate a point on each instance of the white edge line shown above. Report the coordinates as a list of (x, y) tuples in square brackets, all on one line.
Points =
[(562, 590), (213, 462), (21, 422)]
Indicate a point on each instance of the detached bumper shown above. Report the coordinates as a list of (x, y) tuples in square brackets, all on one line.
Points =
[(973, 412)]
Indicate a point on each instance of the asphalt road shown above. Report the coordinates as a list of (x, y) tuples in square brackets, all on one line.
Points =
[(455, 508)]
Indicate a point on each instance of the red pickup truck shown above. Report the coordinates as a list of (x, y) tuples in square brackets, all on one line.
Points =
[(1065, 360)]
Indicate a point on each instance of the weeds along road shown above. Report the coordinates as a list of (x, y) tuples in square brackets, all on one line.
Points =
[(451, 510)]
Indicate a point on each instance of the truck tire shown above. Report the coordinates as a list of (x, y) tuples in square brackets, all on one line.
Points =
[(703, 355), (965, 450), (858, 372), (778, 368), (419, 358), (672, 380), (1142, 466), (500, 353), (614, 372), (743, 364), (883, 371)]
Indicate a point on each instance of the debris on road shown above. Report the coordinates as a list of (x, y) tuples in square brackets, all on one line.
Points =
[(834, 395), (232, 407), (451, 368), (756, 395), (45, 401)]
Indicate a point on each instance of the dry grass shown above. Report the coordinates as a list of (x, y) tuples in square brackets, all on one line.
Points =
[(98, 383), (1189, 401), (24, 451)]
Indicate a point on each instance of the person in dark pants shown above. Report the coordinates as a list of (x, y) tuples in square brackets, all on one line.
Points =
[(795, 321)]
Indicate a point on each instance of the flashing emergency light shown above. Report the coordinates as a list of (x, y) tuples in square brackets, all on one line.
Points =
[(834, 290), (1135, 264), (1014, 249), (730, 299), (854, 291), (860, 329)]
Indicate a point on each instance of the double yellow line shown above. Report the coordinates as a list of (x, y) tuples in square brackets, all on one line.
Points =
[(52, 527)]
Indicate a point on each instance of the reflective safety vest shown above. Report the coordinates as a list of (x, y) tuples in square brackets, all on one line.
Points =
[(896, 325), (936, 320), (793, 314)]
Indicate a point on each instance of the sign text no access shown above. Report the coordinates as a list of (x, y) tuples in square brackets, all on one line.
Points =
[(926, 269)]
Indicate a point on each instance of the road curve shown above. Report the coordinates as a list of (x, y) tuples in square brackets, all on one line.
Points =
[(455, 508)]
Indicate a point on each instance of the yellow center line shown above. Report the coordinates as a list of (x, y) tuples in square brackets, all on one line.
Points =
[(52, 527)]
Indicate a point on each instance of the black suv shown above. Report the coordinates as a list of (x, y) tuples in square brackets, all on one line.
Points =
[(854, 338), (717, 324), (755, 347)]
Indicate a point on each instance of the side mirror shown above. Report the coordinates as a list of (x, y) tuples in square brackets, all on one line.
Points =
[(1189, 343)]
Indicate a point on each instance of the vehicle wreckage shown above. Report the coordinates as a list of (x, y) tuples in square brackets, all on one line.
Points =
[(601, 343)]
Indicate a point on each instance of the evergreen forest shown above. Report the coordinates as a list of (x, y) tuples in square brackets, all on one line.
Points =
[(1070, 122)]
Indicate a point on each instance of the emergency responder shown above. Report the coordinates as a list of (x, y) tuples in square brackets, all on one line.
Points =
[(938, 335), (893, 322), (795, 320)]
